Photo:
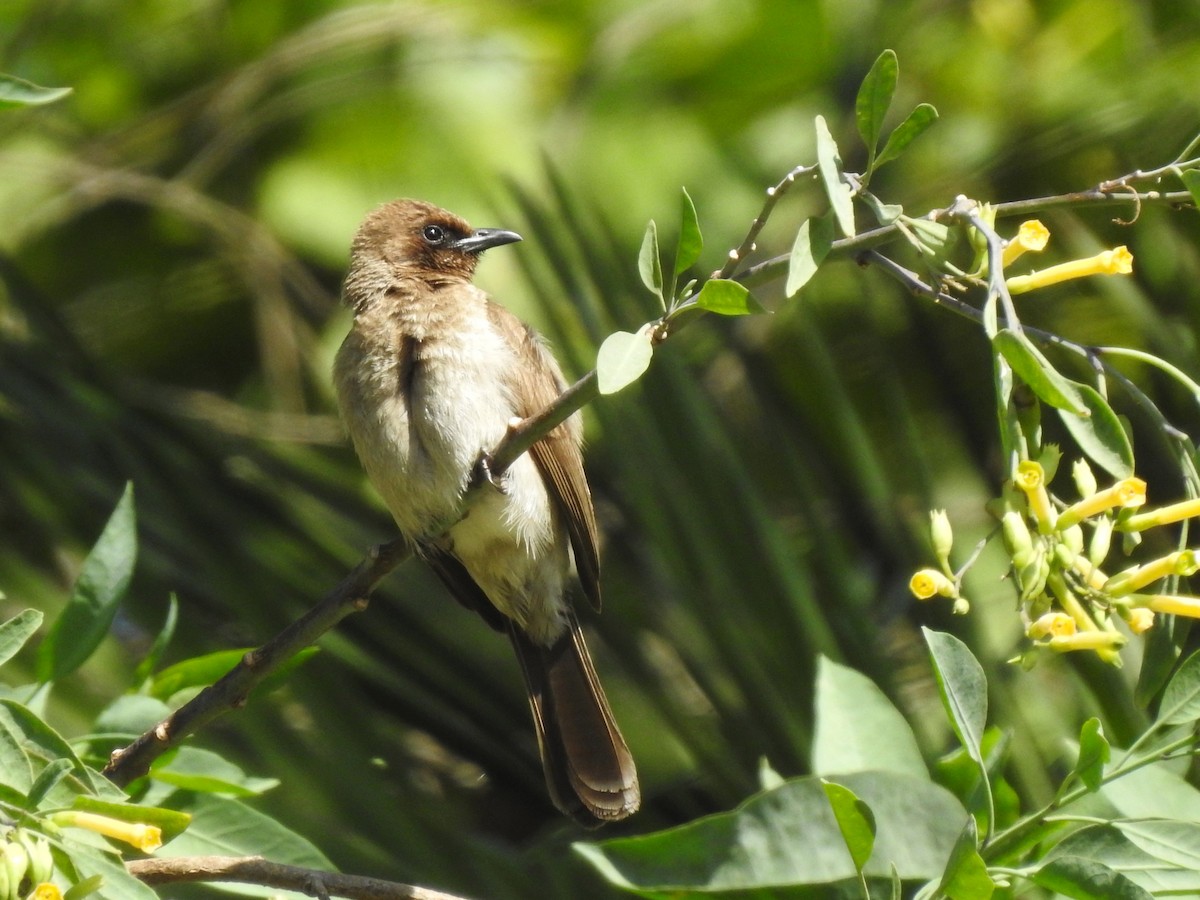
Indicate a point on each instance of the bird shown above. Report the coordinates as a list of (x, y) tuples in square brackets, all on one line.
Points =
[(431, 375)]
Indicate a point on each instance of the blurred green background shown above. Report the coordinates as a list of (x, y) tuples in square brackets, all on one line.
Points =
[(172, 239)]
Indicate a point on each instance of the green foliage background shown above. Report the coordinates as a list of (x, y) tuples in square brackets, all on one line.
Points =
[(173, 237)]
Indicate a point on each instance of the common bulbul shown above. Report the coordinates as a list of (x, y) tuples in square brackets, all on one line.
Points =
[(429, 379)]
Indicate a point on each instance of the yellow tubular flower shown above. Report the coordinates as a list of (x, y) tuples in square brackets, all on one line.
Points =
[(46, 891), (146, 838), (1052, 624), (1118, 261), (1031, 480), (1164, 515), (1140, 620), (1089, 640), (1173, 605), (1031, 237), (1181, 563), (929, 583), (1127, 494)]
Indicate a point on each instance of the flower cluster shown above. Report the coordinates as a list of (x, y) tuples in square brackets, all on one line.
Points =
[(1058, 553)]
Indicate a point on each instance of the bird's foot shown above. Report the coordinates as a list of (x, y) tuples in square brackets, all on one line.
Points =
[(483, 474)]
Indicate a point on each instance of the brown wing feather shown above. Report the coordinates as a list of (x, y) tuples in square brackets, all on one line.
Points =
[(558, 456)]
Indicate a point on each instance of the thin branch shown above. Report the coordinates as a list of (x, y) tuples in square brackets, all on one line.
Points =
[(256, 870), (231, 691), (746, 247)]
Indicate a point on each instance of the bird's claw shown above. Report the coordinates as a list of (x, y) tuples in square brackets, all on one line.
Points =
[(484, 474)]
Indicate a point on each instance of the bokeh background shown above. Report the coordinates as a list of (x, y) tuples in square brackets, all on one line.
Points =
[(172, 239)]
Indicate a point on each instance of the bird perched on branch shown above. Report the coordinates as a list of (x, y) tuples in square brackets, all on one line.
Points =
[(429, 379)]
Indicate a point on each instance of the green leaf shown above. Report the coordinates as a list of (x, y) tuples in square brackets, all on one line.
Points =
[(855, 821), (1153, 792), (649, 263), (194, 769), (1191, 181), (754, 846), (622, 359), (1106, 844), (101, 586), (1100, 434), (171, 822), (131, 714), (1181, 700), (857, 728), (89, 862), (201, 671), (16, 631), (966, 876), (691, 242), (161, 641), (47, 781), (43, 741), (222, 826), (1094, 753), (812, 246), (727, 298), (885, 213), (1087, 879), (963, 688), (19, 92), (16, 768), (874, 97), (829, 163), (906, 132), (1036, 371), (1177, 843)]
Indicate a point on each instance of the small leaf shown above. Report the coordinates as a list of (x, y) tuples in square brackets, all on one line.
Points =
[(691, 242), (963, 687), (47, 780), (811, 247), (1086, 879), (855, 821), (622, 359), (649, 263), (874, 97), (1191, 181), (43, 741), (201, 671), (19, 92), (1036, 371), (194, 769), (727, 298), (1181, 700), (885, 213), (161, 641), (1100, 434), (16, 631), (966, 876), (1093, 754), (906, 132), (830, 165), (101, 586)]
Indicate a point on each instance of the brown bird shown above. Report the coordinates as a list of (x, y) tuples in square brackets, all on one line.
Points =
[(429, 379)]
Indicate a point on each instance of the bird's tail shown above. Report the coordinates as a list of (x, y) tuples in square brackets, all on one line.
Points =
[(589, 769)]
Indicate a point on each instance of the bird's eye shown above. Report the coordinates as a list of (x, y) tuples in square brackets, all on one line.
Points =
[(433, 234)]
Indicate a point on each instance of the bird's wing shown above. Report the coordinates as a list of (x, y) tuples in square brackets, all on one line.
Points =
[(558, 455)]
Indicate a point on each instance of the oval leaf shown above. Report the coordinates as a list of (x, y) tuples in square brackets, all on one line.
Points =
[(691, 242), (16, 631), (811, 247), (966, 876), (963, 687), (19, 92), (649, 264), (1093, 754), (1035, 370), (101, 586), (829, 162), (906, 132), (622, 359), (1086, 879), (855, 821), (727, 298), (1181, 700), (874, 97), (857, 727), (1100, 434)]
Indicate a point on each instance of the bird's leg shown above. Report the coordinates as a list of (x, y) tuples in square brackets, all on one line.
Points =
[(483, 474)]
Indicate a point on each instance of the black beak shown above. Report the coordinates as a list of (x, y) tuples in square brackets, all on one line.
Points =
[(482, 238)]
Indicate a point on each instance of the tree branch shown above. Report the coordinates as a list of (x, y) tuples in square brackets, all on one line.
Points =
[(256, 870)]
